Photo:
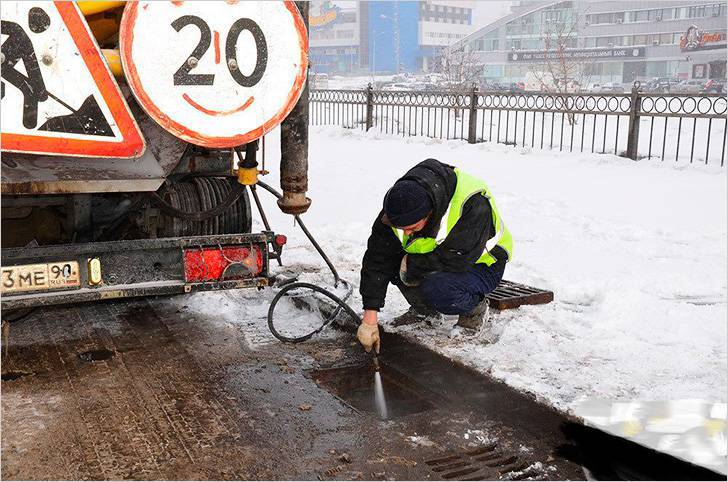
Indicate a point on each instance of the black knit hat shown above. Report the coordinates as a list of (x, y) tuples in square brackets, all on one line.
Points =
[(406, 203)]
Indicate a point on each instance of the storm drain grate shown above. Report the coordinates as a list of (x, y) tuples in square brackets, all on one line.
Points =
[(355, 387), (508, 295), (488, 462), (96, 355)]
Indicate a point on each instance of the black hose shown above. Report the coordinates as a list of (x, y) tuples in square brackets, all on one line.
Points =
[(340, 302), (301, 284), (168, 209), (308, 234)]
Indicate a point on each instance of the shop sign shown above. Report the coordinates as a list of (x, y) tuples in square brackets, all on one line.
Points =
[(577, 54), (696, 39)]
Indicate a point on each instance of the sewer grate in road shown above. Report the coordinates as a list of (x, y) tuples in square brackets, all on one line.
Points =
[(10, 376), (488, 462), (509, 294), (95, 355), (355, 386)]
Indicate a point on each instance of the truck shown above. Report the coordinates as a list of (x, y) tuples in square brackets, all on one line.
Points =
[(128, 168)]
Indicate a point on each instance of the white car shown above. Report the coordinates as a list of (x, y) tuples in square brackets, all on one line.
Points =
[(397, 86), (689, 87), (594, 88), (614, 87)]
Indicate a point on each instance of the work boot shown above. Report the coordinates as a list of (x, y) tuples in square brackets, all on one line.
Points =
[(474, 320), (416, 315)]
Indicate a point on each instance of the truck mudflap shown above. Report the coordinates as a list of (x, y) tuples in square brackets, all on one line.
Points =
[(75, 273)]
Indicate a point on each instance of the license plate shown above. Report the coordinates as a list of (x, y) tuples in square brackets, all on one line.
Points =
[(40, 277)]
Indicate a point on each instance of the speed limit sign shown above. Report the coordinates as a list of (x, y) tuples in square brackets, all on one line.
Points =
[(216, 74)]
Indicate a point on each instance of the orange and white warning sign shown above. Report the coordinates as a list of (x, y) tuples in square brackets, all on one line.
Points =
[(58, 95), (216, 74)]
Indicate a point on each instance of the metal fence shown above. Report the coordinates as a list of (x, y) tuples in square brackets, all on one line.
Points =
[(676, 127)]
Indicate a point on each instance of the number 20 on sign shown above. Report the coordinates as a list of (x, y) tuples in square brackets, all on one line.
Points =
[(216, 74)]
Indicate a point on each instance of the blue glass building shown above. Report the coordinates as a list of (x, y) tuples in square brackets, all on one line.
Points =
[(384, 36)]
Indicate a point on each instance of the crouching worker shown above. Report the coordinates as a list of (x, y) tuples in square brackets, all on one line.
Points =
[(441, 240)]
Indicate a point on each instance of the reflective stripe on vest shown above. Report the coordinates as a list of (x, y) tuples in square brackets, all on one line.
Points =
[(467, 186)]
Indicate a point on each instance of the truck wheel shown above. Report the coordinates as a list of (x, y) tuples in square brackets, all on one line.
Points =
[(202, 194)]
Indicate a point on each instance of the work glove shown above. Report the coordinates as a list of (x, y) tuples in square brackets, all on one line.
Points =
[(368, 336), (406, 279)]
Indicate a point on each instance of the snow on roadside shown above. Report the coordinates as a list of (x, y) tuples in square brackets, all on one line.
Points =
[(635, 253)]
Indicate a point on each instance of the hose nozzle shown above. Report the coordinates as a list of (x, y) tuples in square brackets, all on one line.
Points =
[(375, 361)]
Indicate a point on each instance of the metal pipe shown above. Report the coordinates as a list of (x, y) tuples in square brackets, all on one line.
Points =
[(294, 149)]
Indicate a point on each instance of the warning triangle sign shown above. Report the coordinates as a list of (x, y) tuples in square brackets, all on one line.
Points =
[(58, 95)]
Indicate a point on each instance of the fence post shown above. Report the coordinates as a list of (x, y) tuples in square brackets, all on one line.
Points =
[(370, 106), (473, 120), (633, 134)]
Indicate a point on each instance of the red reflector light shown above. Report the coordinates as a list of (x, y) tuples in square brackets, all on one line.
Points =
[(280, 240), (220, 264)]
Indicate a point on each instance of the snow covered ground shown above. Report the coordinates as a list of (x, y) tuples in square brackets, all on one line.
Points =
[(634, 252)]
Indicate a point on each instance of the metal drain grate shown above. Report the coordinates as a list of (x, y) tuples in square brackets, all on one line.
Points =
[(488, 462), (508, 295), (355, 387)]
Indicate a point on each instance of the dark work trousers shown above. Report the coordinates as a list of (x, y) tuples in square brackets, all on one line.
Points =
[(455, 293)]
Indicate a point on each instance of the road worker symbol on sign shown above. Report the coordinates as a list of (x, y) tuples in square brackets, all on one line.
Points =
[(58, 96), (217, 74)]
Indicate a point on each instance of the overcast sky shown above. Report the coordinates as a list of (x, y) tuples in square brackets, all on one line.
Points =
[(487, 11)]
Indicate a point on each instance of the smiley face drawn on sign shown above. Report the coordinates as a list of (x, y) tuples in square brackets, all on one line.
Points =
[(216, 74)]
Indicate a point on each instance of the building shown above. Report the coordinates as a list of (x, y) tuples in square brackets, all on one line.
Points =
[(604, 41), (384, 37)]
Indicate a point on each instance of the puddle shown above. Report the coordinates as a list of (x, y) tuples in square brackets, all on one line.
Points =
[(95, 355), (355, 386)]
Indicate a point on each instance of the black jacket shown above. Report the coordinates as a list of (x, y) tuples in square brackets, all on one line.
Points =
[(460, 250)]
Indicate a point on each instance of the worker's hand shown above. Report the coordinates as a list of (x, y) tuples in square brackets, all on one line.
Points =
[(368, 332)]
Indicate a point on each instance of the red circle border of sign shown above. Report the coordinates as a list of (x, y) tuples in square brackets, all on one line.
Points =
[(126, 38)]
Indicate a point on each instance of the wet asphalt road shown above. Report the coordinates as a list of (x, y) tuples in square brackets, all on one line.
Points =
[(144, 389)]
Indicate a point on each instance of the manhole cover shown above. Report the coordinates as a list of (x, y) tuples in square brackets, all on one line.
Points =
[(355, 386), (95, 355)]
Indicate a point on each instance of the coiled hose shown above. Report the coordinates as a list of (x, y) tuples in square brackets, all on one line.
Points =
[(288, 287)]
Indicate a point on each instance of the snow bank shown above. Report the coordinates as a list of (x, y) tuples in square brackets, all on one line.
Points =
[(635, 253)]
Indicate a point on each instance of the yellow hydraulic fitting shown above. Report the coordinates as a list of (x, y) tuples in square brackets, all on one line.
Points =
[(114, 60), (247, 175), (90, 8)]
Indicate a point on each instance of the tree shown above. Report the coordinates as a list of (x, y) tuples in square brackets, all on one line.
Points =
[(561, 73), (460, 68)]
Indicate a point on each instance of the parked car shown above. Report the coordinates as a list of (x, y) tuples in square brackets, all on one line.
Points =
[(714, 86), (567, 84), (689, 87), (667, 83), (319, 81), (517, 87), (499, 87), (398, 86), (613, 87), (594, 88)]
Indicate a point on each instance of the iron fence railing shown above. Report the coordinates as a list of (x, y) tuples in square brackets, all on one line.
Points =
[(636, 125)]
